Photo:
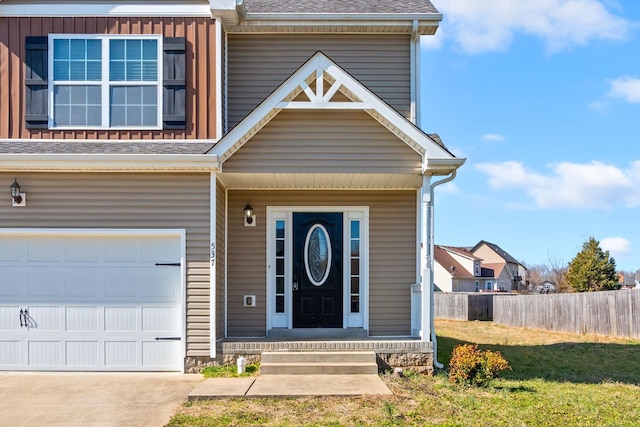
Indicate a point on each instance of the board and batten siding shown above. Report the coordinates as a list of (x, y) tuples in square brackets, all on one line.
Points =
[(200, 108), (127, 201), (258, 64), (392, 259), (324, 142)]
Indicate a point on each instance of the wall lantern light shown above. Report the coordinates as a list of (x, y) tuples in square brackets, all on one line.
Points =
[(249, 217), (18, 198)]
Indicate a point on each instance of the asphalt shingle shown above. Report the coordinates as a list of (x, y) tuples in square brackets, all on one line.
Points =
[(340, 6)]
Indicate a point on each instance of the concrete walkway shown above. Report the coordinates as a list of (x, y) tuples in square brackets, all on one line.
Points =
[(290, 386)]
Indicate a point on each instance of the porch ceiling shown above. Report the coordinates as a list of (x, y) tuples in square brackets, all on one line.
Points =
[(321, 181)]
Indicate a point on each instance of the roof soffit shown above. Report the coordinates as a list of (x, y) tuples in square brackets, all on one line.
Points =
[(313, 87)]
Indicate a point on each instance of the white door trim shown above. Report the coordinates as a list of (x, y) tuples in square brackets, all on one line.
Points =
[(361, 213), (97, 232)]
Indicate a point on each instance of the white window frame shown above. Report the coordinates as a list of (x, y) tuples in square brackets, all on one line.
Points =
[(488, 285), (105, 83), (350, 320)]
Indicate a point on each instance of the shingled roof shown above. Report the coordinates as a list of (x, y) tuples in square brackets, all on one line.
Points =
[(340, 16), (339, 6)]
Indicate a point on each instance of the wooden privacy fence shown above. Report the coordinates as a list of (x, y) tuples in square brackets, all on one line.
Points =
[(613, 313), (462, 306)]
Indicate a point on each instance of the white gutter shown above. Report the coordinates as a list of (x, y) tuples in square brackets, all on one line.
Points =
[(108, 162), (430, 248)]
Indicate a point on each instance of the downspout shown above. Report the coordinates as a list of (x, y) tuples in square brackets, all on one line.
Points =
[(430, 248)]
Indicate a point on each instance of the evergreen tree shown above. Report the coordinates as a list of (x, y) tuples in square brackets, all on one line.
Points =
[(592, 269)]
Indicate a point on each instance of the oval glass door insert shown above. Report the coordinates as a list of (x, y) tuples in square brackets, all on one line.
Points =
[(317, 254)]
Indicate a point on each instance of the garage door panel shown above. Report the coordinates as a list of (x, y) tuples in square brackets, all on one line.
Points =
[(12, 283), (45, 282), (120, 319), (81, 354), (85, 249), (84, 282), (160, 283), (94, 302), (120, 353), (9, 318), (44, 318), (13, 249), (10, 353), (123, 250), (44, 353), (159, 249), (81, 319), (123, 283), (159, 319), (46, 249), (158, 353)]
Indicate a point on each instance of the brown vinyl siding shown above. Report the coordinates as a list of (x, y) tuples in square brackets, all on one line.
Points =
[(127, 201), (392, 260), (201, 87), (258, 64), (324, 142)]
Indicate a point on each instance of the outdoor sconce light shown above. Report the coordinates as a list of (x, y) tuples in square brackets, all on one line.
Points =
[(18, 198), (249, 217)]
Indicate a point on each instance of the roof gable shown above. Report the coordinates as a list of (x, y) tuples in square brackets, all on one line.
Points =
[(498, 250), (320, 84)]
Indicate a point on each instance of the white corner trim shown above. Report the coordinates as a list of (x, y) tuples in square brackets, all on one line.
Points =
[(213, 216), (65, 9), (108, 162)]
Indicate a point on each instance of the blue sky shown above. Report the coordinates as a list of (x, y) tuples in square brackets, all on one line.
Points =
[(543, 99)]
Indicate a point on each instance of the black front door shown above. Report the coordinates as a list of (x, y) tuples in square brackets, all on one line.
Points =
[(317, 270)]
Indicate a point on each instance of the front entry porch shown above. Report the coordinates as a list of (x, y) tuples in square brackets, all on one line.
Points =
[(406, 353)]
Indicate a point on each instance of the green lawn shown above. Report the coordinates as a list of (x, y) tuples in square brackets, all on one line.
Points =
[(557, 379)]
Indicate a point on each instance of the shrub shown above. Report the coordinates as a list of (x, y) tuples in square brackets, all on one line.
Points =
[(471, 366)]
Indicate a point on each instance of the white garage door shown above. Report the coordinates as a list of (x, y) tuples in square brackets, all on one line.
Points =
[(91, 302)]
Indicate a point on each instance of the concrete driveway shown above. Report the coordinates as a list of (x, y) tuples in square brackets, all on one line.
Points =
[(92, 399)]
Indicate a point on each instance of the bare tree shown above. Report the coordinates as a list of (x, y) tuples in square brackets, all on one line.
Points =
[(558, 272)]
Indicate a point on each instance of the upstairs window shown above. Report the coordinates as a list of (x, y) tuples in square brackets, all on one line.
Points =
[(105, 82)]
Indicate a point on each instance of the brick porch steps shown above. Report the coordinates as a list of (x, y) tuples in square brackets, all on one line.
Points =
[(318, 362)]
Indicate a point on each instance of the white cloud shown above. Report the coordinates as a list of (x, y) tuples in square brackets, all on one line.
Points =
[(618, 247), (627, 88), (491, 25), (569, 185), (493, 137)]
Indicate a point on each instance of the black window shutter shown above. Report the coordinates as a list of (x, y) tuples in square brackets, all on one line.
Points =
[(36, 96), (173, 84)]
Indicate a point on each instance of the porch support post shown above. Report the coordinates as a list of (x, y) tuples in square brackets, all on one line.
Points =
[(426, 242), (213, 214)]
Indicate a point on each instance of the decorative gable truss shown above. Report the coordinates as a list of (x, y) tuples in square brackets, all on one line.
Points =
[(320, 84)]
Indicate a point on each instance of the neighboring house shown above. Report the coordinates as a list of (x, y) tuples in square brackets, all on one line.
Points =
[(627, 281), (544, 288), (185, 173), (514, 273), (458, 270)]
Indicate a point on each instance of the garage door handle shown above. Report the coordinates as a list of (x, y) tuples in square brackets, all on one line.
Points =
[(21, 314), (167, 264), (168, 338)]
